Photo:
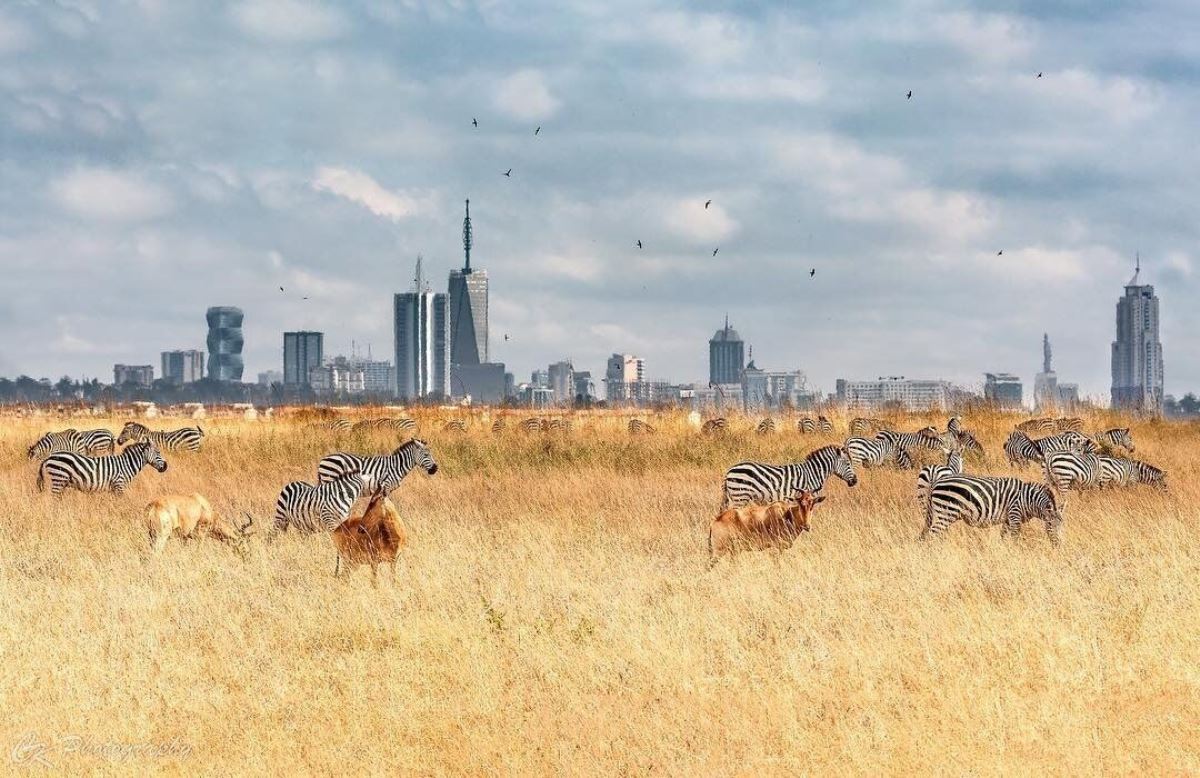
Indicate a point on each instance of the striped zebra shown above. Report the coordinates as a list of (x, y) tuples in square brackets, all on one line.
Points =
[(67, 469), (1072, 470), (874, 452), (532, 424), (982, 501), (862, 426), (765, 427), (806, 425), (1066, 441), (499, 426), (717, 426), (640, 427), (454, 425), (1020, 449), (335, 425), (182, 439), (963, 439), (1116, 471), (824, 424), (386, 471), (401, 424), (320, 507), (1037, 425), (1068, 424), (63, 440), (1118, 437), (931, 474), (98, 441), (756, 482), (557, 425), (926, 438)]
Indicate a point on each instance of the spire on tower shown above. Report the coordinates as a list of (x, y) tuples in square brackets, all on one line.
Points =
[(1137, 269), (468, 239), (1045, 353), (419, 284)]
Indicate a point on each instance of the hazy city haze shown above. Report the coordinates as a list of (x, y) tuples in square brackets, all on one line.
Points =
[(160, 158)]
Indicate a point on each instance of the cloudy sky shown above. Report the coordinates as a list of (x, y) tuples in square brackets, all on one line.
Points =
[(161, 156)]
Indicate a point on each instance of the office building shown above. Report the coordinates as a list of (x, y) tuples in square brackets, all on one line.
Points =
[(468, 306), (268, 377), (1045, 383), (182, 367), (896, 392), (1137, 361), (1003, 390), (726, 356), (339, 376), (561, 381), (585, 387), (224, 343), (621, 375), (421, 322), (484, 383), (141, 375), (302, 351)]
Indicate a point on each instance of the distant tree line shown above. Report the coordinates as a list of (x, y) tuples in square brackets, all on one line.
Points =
[(1188, 406)]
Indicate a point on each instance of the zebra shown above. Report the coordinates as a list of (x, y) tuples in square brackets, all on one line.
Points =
[(954, 425), (930, 474), (1072, 470), (748, 482), (63, 440), (717, 426), (1066, 441), (321, 507), (824, 424), (875, 452), (765, 427), (402, 424), (557, 425), (1068, 424), (98, 441), (93, 474), (806, 425), (454, 425), (182, 439), (982, 501), (1115, 471), (965, 441), (1037, 425), (925, 438), (335, 425), (499, 425), (532, 424), (386, 471), (1020, 449), (1118, 437), (862, 426), (640, 427)]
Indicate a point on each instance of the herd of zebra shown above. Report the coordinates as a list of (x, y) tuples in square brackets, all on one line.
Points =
[(71, 461), (1069, 460), (409, 426)]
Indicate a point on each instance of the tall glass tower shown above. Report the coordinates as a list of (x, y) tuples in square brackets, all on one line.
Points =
[(468, 307), (224, 343), (726, 356), (422, 330), (1137, 363)]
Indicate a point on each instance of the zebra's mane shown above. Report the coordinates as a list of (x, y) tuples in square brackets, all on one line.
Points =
[(830, 450), (409, 444)]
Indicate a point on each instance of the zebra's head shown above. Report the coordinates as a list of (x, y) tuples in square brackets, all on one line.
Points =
[(843, 468), (150, 455), (41, 446), (1046, 506), (422, 457), (131, 431), (1123, 438), (1149, 474)]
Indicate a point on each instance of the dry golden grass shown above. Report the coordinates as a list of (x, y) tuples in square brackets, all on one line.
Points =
[(554, 614)]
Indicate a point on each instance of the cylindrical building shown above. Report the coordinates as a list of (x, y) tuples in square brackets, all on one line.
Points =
[(225, 343)]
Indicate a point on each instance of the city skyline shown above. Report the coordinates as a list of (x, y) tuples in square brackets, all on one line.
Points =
[(139, 183)]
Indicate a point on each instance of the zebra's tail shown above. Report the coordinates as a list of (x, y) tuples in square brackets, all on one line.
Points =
[(199, 430), (41, 480)]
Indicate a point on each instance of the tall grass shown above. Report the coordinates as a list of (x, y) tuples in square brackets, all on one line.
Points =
[(555, 614)]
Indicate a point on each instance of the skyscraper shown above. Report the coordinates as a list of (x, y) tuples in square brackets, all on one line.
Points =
[(422, 331), (1045, 383), (1137, 363), (224, 343), (726, 356), (302, 351), (182, 367), (468, 306)]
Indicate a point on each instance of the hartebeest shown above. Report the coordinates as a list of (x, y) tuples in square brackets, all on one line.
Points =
[(190, 516), (775, 525), (377, 536)]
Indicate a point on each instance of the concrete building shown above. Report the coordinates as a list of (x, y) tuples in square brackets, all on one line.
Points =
[(468, 290), (302, 352), (539, 378), (483, 383), (268, 377), (726, 356), (142, 375), (339, 376), (585, 387), (897, 391), (1137, 361), (225, 343), (182, 367), (1003, 390), (561, 381), (422, 336), (378, 376), (622, 373)]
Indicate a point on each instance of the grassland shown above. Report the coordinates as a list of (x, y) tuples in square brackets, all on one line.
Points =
[(555, 615)]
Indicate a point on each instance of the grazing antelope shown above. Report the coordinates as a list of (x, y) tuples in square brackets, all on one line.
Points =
[(190, 516), (776, 525), (375, 537)]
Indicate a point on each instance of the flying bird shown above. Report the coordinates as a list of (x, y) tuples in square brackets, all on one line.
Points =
[(508, 173), (707, 203), (812, 272), (1039, 74), (506, 336), (639, 244), (474, 122), (281, 288), (718, 248), (909, 95), (539, 129), (1000, 252)]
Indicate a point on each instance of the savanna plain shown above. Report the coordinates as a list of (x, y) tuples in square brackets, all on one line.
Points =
[(554, 613)]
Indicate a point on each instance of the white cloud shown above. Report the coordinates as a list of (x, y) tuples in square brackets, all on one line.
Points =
[(289, 21), (690, 220), (760, 88), (524, 95), (103, 194), (995, 38), (360, 188)]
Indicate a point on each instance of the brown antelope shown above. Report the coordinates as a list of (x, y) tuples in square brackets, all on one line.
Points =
[(775, 525), (190, 516), (376, 536)]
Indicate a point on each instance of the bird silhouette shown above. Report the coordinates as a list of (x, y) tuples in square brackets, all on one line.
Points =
[(304, 298), (1000, 252), (281, 288), (909, 95), (474, 122), (639, 244), (707, 203), (506, 336), (1039, 74), (508, 173), (812, 272), (539, 129), (716, 250)]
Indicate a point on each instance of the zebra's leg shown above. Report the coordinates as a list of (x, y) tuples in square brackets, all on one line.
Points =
[(1054, 530), (1012, 524), (337, 566)]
